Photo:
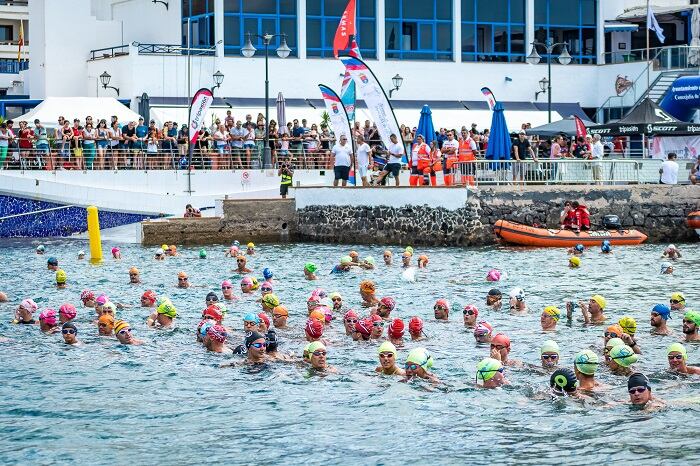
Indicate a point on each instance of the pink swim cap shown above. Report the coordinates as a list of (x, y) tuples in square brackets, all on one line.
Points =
[(266, 285), (319, 292), (115, 250), (48, 316), (29, 305), (247, 281), (494, 275), (87, 295), (327, 313), (102, 300), (226, 283), (68, 310)]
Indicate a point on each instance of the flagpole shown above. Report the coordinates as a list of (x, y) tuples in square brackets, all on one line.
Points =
[(648, 58)]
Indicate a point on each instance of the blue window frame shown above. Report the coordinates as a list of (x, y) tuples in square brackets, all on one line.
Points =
[(569, 21), (322, 18), (418, 29), (201, 15), (493, 30)]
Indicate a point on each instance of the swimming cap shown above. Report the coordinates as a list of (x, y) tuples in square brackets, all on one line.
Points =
[(420, 356), (586, 362), (517, 293), (600, 300), (182, 275), (48, 316), (350, 315), (375, 318), (310, 267), (314, 346), (159, 252), (29, 305), (61, 276), (407, 254), (41, 248), (665, 266), (255, 283), (233, 251), (494, 275), (203, 326), (387, 347), (396, 328), (119, 325), (202, 254), (501, 339), (241, 257), (367, 286), (226, 283), (270, 300), (87, 295), (102, 299), (212, 312), (251, 337), (313, 300), (70, 325), (110, 305), (68, 310), (281, 310), (563, 380), (663, 310), (606, 242), (692, 315), (678, 297), (107, 319), (236, 243), (173, 247), (579, 248), (318, 315), (251, 317), (327, 313), (250, 245), (415, 325), (115, 250), (168, 309), (363, 326), (409, 250), (222, 307), (613, 342), (211, 296), (423, 258), (133, 270), (52, 261), (444, 303), (267, 273), (217, 333), (549, 346), (164, 246), (271, 340), (624, 355), (334, 295), (320, 293), (628, 324), (483, 328), (616, 329), (345, 260), (575, 261), (495, 292), (677, 348), (638, 380), (314, 328), (369, 260), (353, 253), (553, 311), (246, 281), (388, 302), (149, 295), (474, 309), (605, 247), (486, 368), (264, 318)]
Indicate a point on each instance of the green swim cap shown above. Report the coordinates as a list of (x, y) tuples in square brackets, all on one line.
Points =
[(387, 347), (369, 260), (167, 308), (586, 362), (310, 267), (202, 254), (624, 355), (677, 348), (549, 346), (409, 250), (61, 276), (486, 368), (222, 307), (420, 356), (692, 315), (613, 342), (628, 324), (313, 346), (346, 260)]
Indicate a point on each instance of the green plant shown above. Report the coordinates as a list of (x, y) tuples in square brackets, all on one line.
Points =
[(325, 119)]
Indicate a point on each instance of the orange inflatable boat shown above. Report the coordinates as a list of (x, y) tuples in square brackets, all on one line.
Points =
[(525, 235), (694, 219)]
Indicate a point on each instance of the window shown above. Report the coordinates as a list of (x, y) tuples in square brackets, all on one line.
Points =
[(6, 33), (201, 15), (322, 19), (493, 30), (570, 21), (419, 29)]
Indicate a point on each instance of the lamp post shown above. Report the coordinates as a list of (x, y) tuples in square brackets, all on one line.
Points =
[(397, 81), (544, 82), (218, 79), (534, 58), (283, 51), (104, 79)]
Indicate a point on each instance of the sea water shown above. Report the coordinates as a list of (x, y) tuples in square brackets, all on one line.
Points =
[(170, 402)]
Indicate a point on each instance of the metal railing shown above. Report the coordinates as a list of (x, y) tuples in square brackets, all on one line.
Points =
[(11, 66), (663, 58), (109, 52), (150, 49)]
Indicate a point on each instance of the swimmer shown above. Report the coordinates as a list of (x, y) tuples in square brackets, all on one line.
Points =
[(213, 313), (211, 298), (48, 321), (337, 301), (613, 342), (124, 333), (415, 329), (377, 330), (549, 318), (666, 268), (409, 250), (585, 365), (52, 264), (629, 328), (202, 253), (100, 302), (418, 362), (344, 266), (172, 251), (677, 302), (256, 346), (159, 255), (227, 290), (148, 299), (66, 313), (313, 330), (367, 263), (605, 247), (387, 360), (483, 332), (61, 279), (24, 314), (3, 297), (395, 332), (88, 298), (349, 320), (640, 393), (216, 341), (81, 255), (241, 262), (386, 305), (318, 314), (183, 281), (312, 303), (40, 250), (471, 313), (165, 314), (490, 372), (500, 349), (549, 354), (264, 324), (388, 257), (362, 330), (423, 261), (116, 253), (268, 275), (613, 331), (310, 271), (441, 309), (406, 259), (105, 325), (493, 275), (134, 276), (677, 357), (517, 301), (265, 288), (367, 293), (247, 285), (250, 249), (672, 252), (109, 309), (233, 251), (70, 334), (280, 314), (251, 322), (691, 322), (355, 256), (563, 382), (621, 358), (317, 354), (593, 311), (493, 299), (574, 262), (660, 313), (576, 250)]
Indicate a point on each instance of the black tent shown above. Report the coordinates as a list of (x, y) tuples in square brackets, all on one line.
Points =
[(646, 118), (566, 126)]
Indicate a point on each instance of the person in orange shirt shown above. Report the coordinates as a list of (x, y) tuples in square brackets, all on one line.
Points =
[(467, 153), (420, 160), (450, 149)]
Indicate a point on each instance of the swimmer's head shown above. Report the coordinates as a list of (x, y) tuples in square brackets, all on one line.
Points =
[(52, 261), (598, 299), (212, 312), (628, 324), (387, 347), (67, 312), (662, 310), (677, 348), (61, 277), (586, 362), (250, 245), (345, 260), (693, 316), (579, 248), (605, 247), (367, 286), (666, 268), (217, 333), (388, 302), (409, 250), (420, 357), (483, 331), (574, 262), (310, 267), (553, 312), (270, 301), (493, 275), (623, 355), (549, 346), (487, 368), (518, 294), (49, 317), (369, 260), (314, 328), (267, 273), (167, 309), (396, 328), (415, 326), (563, 381), (202, 253), (40, 249)]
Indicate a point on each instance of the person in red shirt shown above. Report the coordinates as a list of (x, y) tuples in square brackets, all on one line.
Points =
[(567, 217), (583, 217), (26, 136)]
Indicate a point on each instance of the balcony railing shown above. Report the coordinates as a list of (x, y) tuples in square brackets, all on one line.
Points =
[(11, 66), (663, 58), (151, 49)]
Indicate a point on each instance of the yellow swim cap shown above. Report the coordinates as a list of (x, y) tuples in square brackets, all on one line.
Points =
[(574, 261), (167, 308), (120, 324), (387, 347), (677, 348), (61, 276), (420, 356), (271, 300), (164, 246), (678, 297), (628, 324), (251, 245), (600, 300), (553, 311), (486, 368)]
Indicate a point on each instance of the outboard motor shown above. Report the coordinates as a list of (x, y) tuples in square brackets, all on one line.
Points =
[(611, 222)]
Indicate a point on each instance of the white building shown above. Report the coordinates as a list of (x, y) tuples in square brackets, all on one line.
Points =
[(14, 14)]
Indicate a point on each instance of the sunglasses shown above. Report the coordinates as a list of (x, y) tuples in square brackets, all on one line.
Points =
[(634, 390), (439, 308), (498, 347), (259, 345), (386, 257), (675, 356), (676, 301), (124, 331), (247, 322), (68, 331), (265, 289), (687, 321), (108, 311), (133, 275), (226, 287), (378, 324), (182, 279), (386, 355), (319, 353), (278, 316), (351, 321), (102, 325), (337, 299), (550, 356), (611, 334), (240, 261), (469, 313), (212, 300)]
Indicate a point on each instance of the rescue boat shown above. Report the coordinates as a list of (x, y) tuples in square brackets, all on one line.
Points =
[(525, 235), (694, 221)]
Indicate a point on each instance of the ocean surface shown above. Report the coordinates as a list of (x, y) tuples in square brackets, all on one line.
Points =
[(170, 402)]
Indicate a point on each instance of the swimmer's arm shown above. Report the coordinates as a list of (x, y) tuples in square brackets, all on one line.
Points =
[(151, 321), (584, 311)]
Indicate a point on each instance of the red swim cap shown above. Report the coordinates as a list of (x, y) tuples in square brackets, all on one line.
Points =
[(149, 295), (443, 302), (396, 328), (415, 325), (212, 312), (87, 295), (350, 315), (501, 339), (388, 302), (471, 307), (364, 326), (314, 328), (264, 318), (375, 318)]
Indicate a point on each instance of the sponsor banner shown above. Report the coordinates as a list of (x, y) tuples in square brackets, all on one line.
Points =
[(339, 118), (580, 127), (198, 110), (346, 28), (490, 98), (685, 147)]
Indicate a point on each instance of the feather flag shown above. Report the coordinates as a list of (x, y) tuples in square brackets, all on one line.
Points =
[(345, 30), (20, 42)]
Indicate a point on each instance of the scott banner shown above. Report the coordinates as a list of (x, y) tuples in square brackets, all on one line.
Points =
[(336, 110), (374, 96), (198, 110)]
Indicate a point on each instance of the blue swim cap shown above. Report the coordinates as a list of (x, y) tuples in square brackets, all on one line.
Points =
[(251, 317), (267, 273), (663, 310), (605, 247), (579, 247), (606, 242)]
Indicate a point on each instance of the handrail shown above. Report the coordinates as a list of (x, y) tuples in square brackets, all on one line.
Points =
[(36, 212), (150, 49)]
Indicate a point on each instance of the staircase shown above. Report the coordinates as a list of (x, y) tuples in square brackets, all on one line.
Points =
[(662, 84)]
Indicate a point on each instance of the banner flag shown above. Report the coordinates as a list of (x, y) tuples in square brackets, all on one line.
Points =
[(580, 128), (346, 28), (198, 110), (653, 25), (340, 123), (490, 98)]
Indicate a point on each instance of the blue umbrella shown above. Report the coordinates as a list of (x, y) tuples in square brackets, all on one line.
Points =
[(499, 139)]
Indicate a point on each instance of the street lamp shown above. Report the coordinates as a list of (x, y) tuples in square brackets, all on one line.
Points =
[(534, 58), (283, 51), (544, 82), (218, 79), (397, 81), (104, 79)]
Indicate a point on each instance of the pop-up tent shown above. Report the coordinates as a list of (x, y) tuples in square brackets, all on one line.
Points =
[(555, 128), (647, 118), (78, 107)]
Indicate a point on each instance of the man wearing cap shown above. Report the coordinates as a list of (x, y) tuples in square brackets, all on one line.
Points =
[(585, 365), (677, 302), (660, 313), (640, 392), (52, 264), (593, 311), (691, 322), (677, 357)]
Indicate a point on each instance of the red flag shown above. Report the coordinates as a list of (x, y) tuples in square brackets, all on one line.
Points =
[(346, 28), (580, 128)]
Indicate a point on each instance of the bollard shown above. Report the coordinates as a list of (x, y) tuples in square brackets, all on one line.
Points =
[(93, 224)]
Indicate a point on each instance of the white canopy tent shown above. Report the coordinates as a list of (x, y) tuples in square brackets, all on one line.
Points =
[(78, 107)]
